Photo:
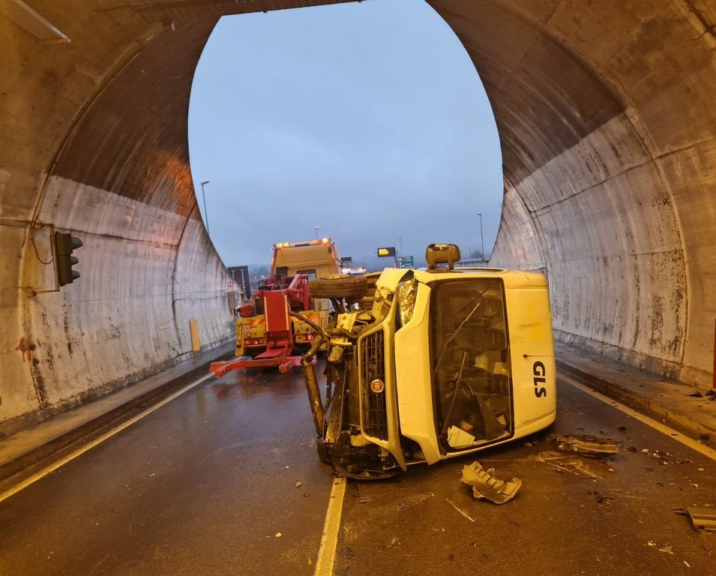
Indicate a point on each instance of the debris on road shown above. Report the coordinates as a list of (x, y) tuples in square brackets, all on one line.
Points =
[(465, 514), (703, 519), (585, 444), (711, 395), (485, 485), (561, 463), (600, 498)]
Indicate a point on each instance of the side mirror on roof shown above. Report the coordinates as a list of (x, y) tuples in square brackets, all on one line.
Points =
[(442, 254)]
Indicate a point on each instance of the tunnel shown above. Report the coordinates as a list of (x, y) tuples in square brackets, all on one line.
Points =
[(607, 128)]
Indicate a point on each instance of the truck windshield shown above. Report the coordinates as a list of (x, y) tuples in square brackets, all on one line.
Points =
[(470, 360)]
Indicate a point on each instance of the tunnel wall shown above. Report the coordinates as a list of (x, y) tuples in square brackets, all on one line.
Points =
[(93, 136), (608, 140)]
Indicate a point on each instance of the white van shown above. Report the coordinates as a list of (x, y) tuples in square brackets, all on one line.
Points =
[(426, 365)]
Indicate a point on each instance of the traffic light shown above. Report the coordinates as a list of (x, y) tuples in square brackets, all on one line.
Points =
[(65, 243)]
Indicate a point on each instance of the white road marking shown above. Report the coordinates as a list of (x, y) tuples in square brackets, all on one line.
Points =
[(62, 461), (678, 436), (329, 540)]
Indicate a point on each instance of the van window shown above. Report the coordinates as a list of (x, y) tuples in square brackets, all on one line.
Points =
[(469, 354)]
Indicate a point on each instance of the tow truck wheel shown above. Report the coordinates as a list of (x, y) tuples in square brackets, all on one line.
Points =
[(338, 286)]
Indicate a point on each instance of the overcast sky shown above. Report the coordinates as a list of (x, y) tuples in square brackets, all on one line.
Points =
[(366, 119)]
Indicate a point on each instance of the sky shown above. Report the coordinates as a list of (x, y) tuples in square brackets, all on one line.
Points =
[(367, 120)]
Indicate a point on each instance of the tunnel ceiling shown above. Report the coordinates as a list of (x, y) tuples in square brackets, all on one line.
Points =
[(607, 128)]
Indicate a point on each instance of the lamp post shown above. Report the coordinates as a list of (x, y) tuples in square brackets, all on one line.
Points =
[(482, 242), (206, 214), (317, 227), (400, 243)]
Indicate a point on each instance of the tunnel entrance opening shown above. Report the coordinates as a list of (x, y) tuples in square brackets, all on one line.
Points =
[(366, 121)]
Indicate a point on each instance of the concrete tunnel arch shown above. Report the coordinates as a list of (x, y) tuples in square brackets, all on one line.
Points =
[(609, 152)]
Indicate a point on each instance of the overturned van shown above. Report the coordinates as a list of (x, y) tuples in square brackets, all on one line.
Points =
[(425, 365)]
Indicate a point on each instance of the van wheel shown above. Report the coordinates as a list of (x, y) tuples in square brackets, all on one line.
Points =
[(322, 451), (338, 286)]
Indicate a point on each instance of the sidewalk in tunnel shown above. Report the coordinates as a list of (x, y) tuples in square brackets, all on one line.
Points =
[(665, 400), (31, 449)]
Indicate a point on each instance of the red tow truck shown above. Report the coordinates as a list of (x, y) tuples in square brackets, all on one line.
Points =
[(282, 314)]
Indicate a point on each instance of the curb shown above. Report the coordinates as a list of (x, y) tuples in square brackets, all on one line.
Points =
[(663, 412)]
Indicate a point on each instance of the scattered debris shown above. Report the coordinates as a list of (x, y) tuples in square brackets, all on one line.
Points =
[(602, 499), (621, 428), (651, 543), (585, 444), (465, 514), (278, 534), (695, 394), (485, 485), (561, 463), (298, 484), (666, 549), (393, 542), (703, 519), (711, 395), (364, 500)]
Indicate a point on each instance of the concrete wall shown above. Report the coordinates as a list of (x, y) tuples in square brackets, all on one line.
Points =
[(608, 138), (609, 145), (93, 140)]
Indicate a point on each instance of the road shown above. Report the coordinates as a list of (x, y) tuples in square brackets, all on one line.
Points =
[(225, 480)]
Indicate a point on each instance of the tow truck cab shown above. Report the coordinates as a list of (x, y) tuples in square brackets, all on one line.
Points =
[(433, 364)]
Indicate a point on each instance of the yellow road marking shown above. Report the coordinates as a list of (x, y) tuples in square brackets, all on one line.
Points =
[(678, 436), (329, 540)]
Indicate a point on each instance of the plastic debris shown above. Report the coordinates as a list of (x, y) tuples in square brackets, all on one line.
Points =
[(485, 485), (703, 519), (585, 444)]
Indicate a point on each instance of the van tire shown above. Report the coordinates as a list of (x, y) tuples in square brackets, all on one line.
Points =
[(338, 286)]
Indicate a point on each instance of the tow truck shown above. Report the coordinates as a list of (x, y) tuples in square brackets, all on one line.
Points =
[(428, 365), (282, 315)]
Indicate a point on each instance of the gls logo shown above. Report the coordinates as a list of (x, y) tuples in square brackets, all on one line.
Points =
[(539, 372)]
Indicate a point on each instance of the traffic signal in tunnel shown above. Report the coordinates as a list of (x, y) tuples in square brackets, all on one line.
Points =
[(65, 243)]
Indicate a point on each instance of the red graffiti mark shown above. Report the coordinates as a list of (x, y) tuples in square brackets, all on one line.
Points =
[(23, 346)]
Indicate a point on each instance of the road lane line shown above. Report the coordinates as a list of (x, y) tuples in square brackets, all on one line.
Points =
[(64, 460), (678, 436), (329, 539)]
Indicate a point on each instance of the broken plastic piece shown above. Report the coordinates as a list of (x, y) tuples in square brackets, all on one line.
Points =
[(485, 485), (704, 519), (585, 444), (458, 438)]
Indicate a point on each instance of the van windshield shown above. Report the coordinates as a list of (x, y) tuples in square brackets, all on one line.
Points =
[(472, 385)]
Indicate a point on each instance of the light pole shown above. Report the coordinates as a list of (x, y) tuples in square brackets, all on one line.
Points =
[(206, 214), (317, 227), (482, 242), (400, 243)]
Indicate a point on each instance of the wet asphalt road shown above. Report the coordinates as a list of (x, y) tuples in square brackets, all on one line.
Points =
[(206, 484)]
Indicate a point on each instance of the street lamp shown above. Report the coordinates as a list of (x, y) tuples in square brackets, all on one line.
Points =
[(482, 242), (206, 214), (400, 243), (317, 227)]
